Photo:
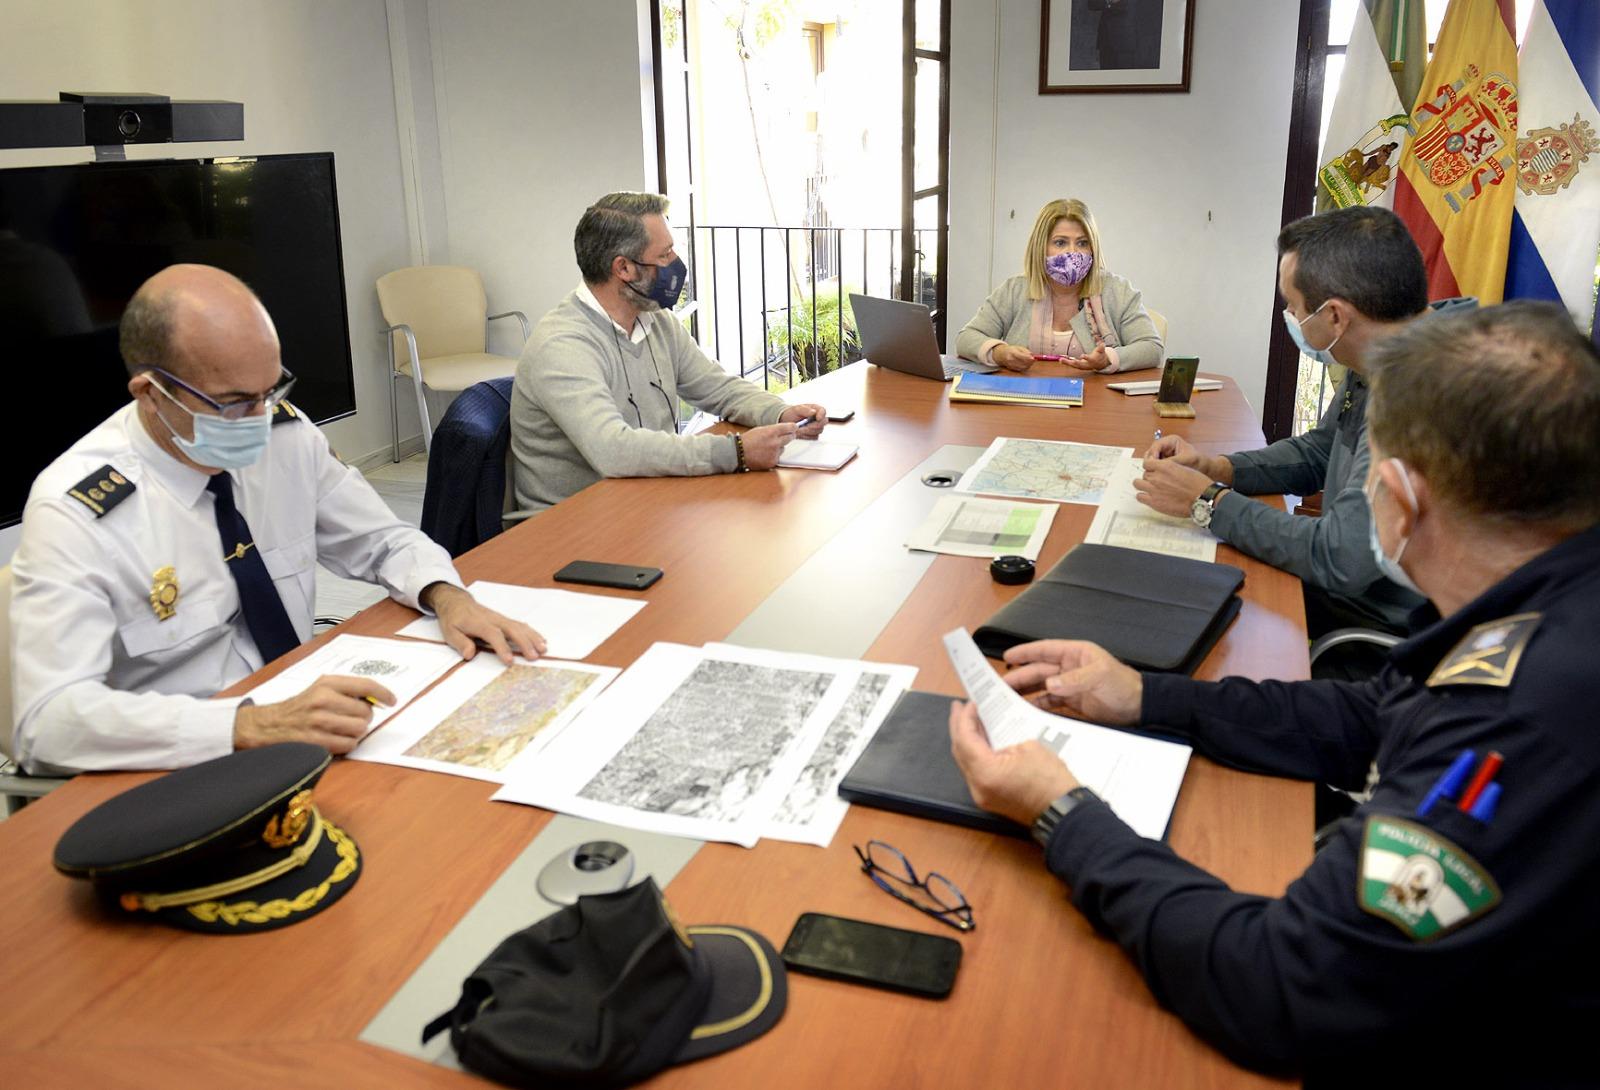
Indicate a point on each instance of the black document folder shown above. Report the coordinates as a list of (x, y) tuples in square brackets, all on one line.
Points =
[(1152, 611), (907, 768)]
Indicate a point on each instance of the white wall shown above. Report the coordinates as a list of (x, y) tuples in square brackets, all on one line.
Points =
[(313, 76), (539, 113), (1187, 188)]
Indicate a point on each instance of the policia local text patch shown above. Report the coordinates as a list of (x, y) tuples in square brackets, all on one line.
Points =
[(1419, 881)]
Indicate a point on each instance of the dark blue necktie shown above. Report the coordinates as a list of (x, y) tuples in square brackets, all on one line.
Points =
[(263, 610)]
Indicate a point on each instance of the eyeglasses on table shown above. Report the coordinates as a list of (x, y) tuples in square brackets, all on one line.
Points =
[(933, 893)]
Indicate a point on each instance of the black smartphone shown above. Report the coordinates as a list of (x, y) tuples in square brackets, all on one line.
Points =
[(842, 418), (595, 574), (1177, 380), (870, 953)]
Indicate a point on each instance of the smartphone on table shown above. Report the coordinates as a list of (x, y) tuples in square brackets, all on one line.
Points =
[(595, 574), (870, 953)]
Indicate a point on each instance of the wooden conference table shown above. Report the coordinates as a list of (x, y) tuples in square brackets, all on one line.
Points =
[(94, 999)]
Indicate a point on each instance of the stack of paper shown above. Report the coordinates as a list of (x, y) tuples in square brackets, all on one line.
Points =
[(968, 526), (716, 743), (1050, 393), (1150, 386)]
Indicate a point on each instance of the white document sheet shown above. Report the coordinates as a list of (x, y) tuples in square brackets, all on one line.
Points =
[(969, 526), (811, 810), (690, 742), (1150, 386), (487, 719), (401, 666), (816, 454), (1138, 777), (573, 624), (1043, 469), (1123, 520)]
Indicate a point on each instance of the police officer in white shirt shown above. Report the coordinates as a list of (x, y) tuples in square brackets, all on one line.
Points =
[(171, 552)]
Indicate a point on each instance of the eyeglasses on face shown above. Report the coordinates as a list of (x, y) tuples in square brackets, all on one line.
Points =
[(933, 893), (240, 407)]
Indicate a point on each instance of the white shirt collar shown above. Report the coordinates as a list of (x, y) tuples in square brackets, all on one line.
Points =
[(185, 483), (641, 328)]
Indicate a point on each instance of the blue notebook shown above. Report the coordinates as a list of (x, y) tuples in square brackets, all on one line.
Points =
[(1057, 389)]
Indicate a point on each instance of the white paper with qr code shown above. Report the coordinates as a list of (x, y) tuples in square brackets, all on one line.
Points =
[(1138, 777)]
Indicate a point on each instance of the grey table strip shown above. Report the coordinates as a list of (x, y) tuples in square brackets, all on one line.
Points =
[(511, 904), (839, 600)]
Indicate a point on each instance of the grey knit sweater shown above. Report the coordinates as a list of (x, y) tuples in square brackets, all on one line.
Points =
[(589, 403)]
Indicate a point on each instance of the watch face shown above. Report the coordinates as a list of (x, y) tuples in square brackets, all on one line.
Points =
[(1200, 512)]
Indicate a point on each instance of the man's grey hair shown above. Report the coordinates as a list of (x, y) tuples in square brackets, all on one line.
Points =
[(145, 333), (613, 227), (1496, 408)]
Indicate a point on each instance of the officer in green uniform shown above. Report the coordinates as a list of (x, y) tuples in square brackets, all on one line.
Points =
[(1446, 934)]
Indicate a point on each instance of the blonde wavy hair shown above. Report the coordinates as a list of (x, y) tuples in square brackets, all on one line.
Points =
[(1069, 208)]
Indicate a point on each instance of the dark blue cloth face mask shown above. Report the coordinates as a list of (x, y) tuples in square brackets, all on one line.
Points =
[(667, 285)]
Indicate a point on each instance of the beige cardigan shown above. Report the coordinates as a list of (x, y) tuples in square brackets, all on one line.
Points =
[(1007, 317)]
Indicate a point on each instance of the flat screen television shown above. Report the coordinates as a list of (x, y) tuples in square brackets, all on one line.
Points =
[(77, 241)]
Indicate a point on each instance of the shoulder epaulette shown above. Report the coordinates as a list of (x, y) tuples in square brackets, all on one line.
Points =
[(283, 412), (102, 490), (1488, 654)]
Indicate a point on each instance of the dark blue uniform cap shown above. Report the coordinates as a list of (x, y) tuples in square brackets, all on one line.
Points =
[(609, 991), (227, 846)]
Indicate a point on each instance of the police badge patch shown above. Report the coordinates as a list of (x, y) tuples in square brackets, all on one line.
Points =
[(1419, 881)]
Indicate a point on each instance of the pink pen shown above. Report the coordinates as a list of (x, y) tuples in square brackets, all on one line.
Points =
[(1048, 359)]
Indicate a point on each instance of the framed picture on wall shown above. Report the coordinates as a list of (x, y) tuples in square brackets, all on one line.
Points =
[(1104, 46)]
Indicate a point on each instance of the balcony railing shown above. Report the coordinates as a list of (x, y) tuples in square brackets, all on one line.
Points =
[(774, 301)]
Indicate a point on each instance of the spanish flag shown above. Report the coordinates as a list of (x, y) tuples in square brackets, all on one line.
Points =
[(1457, 185)]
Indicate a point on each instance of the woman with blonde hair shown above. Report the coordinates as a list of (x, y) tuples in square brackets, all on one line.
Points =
[(1066, 305)]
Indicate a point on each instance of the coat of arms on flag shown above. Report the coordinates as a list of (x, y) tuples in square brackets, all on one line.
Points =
[(1548, 159), (1362, 173), (1466, 134)]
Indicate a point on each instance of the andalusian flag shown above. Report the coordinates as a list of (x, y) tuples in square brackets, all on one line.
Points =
[(1555, 234), (1371, 116), (1457, 181)]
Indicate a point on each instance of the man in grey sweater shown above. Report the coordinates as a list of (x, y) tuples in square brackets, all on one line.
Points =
[(597, 388), (1350, 278)]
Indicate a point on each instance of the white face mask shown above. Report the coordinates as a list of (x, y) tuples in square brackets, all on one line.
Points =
[(1391, 569), (1297, 334), (220, 443)]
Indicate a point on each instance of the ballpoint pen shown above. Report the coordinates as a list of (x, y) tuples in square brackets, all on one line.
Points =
[(1486, 771), (1449, 783)]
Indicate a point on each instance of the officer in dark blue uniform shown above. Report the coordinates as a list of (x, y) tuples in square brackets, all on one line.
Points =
[(1447, 934)]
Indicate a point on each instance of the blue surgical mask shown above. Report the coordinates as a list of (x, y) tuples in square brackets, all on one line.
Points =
[(219, 443), (1323, 356), (667, 286), (1391, 569)]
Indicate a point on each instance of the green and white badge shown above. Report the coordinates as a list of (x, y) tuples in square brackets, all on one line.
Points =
[(1419, 881)]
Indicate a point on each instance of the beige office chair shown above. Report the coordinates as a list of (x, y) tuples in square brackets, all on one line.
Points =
[(16, 788), (438, 318), (1160, 321)]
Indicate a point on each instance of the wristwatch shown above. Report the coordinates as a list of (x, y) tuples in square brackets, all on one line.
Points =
[(1045, 824), (1206, 505)]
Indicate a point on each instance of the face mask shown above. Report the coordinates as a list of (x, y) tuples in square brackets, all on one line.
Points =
[(1068, 269), (666, 287), (1323, 356), (219, 443), (1391, 569)]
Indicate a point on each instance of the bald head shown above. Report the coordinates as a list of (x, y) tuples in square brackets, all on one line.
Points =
[(204, 326)]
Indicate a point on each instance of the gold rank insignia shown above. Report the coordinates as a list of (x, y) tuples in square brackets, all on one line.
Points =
[(102, 490), (164, 592), (1488, 654)]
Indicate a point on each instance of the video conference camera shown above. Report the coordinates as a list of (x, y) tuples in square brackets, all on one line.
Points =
[(101, 119)]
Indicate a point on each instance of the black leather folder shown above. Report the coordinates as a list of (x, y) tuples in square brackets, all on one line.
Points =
[(907, 768), (1152, 611)]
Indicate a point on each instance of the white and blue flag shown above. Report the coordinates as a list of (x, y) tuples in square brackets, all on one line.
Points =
[(1555, 233)]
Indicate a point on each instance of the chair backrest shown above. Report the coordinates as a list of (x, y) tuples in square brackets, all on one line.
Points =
[(1160, 321), (7, 727), (465, 496), (444, 305)]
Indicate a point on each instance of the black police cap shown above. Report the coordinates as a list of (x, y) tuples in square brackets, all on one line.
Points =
[(228, 846), (609, 991)]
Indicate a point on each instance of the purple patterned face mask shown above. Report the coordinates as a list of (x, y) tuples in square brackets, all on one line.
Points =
[(1068, 269)]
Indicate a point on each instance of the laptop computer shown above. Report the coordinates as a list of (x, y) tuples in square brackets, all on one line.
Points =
[(899, 335)]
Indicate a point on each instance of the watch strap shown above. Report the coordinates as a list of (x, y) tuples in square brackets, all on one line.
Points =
[(1044, 826)]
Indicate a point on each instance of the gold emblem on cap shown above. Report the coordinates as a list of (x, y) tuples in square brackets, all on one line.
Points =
[(295, 819), (677, 924), (164, 592)]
